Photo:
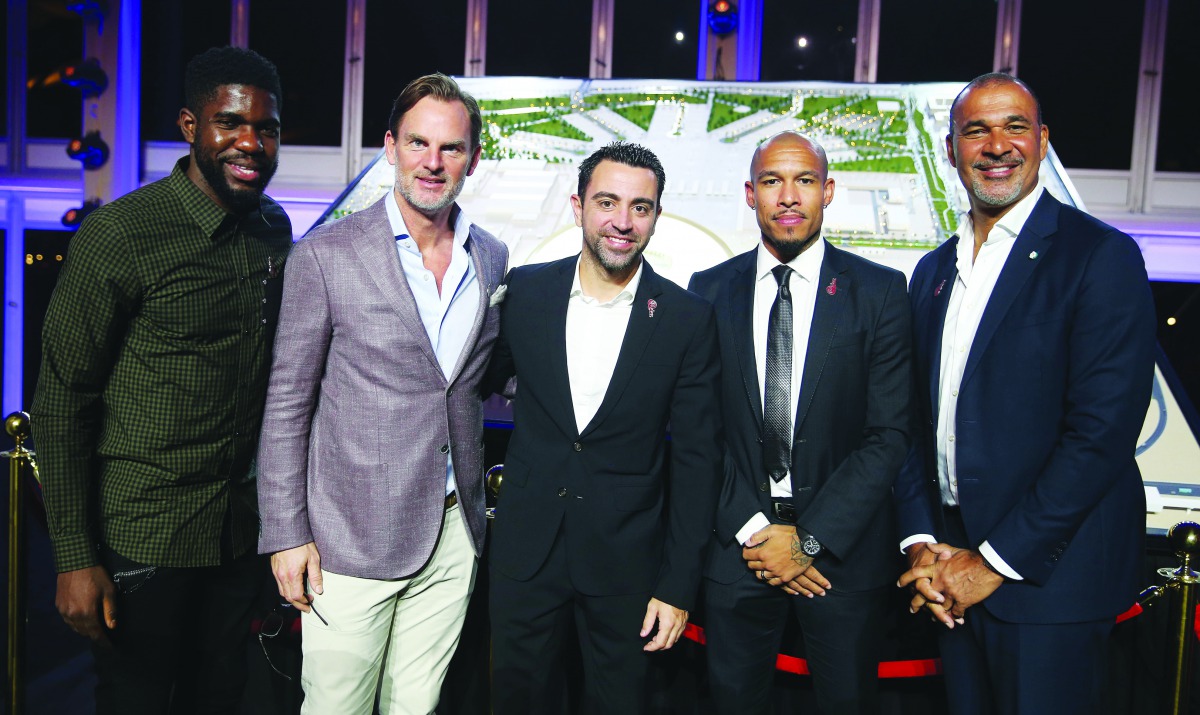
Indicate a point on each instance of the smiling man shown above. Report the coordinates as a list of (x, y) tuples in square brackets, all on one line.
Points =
[(598, 524), (815, 354), (1021, 501), (157, 343), (371, 461)]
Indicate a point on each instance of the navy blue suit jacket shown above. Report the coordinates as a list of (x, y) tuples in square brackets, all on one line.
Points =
[(1053, 398), (851, 428)]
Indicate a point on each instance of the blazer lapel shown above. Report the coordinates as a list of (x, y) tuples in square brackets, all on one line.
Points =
[(557, 299), (827, 318), (481, 260), (931, 330), (377, 251), (741, 325), (1033, 241), (637, 335)]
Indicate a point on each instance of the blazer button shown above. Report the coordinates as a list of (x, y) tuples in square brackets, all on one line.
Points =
[(445, 448), (764, 487), (578, 448), (562, 492)]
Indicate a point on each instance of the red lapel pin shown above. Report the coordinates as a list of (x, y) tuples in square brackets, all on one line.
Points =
[(831, 289), (938, 291), (650, 306)]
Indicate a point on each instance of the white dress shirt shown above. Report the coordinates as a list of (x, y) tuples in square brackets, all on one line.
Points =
[(802, 282), (969, 296), (448, 315), (595, 333)]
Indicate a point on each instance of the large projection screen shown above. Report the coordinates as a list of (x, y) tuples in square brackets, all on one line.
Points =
[(897, 195)]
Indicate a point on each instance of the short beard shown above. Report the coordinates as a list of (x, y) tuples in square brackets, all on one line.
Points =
[(239, 201), (621, 263), (787, 250), (404, 186), (980, 189)]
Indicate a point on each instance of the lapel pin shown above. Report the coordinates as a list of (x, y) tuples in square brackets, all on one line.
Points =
[(651, 305), (1032, 255), (938, 291), (831, 289)]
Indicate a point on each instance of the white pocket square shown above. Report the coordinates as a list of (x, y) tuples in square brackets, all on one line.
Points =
[(497, 296)]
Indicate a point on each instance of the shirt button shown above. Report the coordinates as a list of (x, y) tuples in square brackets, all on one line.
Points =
[(264, 300), (951, 438), (264, 321), (444, 448), (562, 492), (577, 447), (264, 281), (962, 349), (954, 393)]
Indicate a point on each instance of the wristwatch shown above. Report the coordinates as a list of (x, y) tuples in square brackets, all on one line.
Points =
[(809, 544)]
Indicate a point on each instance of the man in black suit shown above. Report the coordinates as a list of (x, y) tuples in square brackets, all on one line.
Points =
[(598, 522), (815, 349)]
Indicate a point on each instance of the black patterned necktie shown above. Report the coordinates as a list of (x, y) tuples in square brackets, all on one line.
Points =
[(777, 394)]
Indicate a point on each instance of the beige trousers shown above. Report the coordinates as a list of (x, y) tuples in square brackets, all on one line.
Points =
[(388, 642)]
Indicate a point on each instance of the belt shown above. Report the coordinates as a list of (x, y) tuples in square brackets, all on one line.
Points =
[(451, 499), (784, 510)]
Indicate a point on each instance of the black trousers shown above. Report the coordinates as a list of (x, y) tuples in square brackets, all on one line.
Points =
[(180, 642), (842, 631), (532, 622)]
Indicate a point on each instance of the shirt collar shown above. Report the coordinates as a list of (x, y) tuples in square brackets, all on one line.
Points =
[(203, 210), (1011, 222), (625, 297), (807, 265), (462, 227)]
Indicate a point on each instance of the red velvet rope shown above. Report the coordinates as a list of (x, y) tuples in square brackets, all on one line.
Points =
[(892, 668)]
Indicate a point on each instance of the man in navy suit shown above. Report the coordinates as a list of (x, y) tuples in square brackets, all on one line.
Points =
[(599, 525), (1034, 353), (816, 377)]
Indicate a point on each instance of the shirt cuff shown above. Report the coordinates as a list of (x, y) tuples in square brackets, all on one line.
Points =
[(916, 539), (757, 523), (993, 558)]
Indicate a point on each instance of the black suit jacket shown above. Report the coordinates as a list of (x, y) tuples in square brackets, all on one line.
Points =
[(635, 515), (1052, 400), (851, 423)]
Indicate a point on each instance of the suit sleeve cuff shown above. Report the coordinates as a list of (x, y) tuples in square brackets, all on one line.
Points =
[(989, 554), (757, 523), (917, 539)]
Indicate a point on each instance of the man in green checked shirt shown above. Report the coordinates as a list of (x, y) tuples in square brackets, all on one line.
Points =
[(156, 350)]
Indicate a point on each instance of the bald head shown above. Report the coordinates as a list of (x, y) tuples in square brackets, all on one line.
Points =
[(993, 79), (788, 139)]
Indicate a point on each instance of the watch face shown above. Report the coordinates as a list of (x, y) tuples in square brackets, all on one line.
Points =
[(811, 546)]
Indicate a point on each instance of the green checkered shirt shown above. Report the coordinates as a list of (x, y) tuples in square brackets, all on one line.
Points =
[(156, 352)]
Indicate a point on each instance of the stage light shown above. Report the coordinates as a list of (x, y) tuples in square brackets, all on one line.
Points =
[(73, 217), (679, 36), (89, 149), (722, 17), (802, 42), (1171, 320), (87, 76)]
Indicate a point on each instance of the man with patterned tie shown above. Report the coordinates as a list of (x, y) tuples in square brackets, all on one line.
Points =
[(804, 523)]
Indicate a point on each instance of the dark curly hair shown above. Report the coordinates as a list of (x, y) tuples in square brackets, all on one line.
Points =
[(219, 66), (626, 153)]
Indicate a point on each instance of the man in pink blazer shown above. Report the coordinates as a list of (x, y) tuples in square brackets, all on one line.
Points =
[(370, 474)]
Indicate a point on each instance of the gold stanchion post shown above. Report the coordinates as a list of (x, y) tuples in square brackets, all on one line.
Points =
[(17, 426), (1184, 539)]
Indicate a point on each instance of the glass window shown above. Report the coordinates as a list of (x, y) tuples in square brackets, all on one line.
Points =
[(311, 73), (173, 32), (540, 38), (405, 41), (655, 39), (1178, 149), (53, 110), (44, 253), (816, 41), (1180, 340), (910, 29), (1086, 78)]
